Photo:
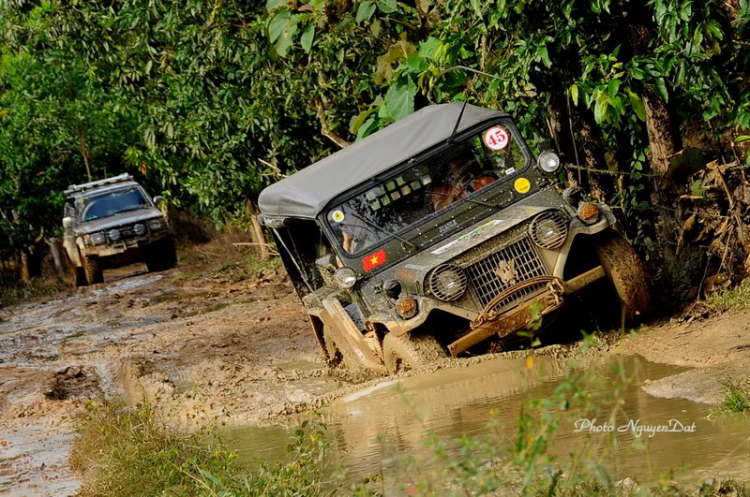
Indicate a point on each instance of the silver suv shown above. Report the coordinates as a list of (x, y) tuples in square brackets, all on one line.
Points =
[(113, 223)]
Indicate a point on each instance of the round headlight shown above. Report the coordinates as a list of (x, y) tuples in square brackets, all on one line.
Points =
[(448, 282), (549, 161), (345, 277), (139, 229), (113, 235), (97, 238), (154, 224), (549, 229)]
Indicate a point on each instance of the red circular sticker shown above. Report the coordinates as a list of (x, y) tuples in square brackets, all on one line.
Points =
[(496, 138)]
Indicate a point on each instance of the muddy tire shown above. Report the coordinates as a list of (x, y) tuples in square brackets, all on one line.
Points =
[(161, 256), (627, 275), (409, 352), (339, 354), (79, 276), (93, 269)]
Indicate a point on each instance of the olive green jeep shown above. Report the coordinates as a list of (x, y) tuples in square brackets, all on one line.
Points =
[(438, 235)]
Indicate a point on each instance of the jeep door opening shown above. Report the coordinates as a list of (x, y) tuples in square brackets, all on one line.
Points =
[(437, 233)]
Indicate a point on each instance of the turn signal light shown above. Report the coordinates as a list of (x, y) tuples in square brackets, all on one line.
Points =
[(406, 307), (588, 212)]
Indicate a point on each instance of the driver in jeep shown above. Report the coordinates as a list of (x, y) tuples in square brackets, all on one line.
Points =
[(462, 180)]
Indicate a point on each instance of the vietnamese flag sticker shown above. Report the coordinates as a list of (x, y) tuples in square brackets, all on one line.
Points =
[(374, 260)]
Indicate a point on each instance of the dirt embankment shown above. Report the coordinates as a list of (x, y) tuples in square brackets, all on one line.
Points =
[(205, 349)]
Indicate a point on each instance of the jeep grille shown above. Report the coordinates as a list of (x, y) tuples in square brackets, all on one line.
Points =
[(510, 265)]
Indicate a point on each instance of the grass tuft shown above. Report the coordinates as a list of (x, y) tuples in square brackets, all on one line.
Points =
[(122, 452), (735, 298), (736, 396)]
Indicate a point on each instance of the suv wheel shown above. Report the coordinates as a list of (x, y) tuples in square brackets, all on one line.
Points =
[(410, 351), (80, 277), (627, 273), (161, 256), (93, 269)]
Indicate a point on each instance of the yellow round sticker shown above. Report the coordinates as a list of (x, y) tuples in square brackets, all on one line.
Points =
[(522, 185), (337, 216)]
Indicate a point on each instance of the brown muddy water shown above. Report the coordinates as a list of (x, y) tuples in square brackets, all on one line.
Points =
[(373, 427)]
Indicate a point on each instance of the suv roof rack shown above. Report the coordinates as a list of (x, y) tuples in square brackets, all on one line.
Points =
[(96, 184)]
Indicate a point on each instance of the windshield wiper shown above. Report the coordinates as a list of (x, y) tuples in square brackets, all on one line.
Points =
[(473, 201), (383, 230)]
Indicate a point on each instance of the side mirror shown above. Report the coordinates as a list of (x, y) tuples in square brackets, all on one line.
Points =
[(326, 262), (67, 222), (158, 199)]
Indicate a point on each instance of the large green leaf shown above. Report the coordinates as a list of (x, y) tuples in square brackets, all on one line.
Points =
[(399, 99), (278, 25), (307, 37), (637, 104), (365, 11), (272, 4), (430, 47), (388, 6)]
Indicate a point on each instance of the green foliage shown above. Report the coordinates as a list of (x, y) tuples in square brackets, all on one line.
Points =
[(210, 103), (131, 453), (736, 396)]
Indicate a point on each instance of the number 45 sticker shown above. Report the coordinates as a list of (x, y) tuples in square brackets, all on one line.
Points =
[(496, 138)]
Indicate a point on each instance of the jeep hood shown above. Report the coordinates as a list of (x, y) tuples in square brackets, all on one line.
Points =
[(128, 217)]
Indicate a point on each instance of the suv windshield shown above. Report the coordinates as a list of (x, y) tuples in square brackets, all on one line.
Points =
[(112, 203), (402, 201)]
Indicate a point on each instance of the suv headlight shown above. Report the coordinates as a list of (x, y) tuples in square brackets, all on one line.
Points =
[(97, 238), (549, 161), (139, 229), (113, 235), (155, 224)]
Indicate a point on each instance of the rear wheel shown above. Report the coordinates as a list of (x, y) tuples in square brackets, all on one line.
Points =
[(627, 274), (410, 351), (93, 269)]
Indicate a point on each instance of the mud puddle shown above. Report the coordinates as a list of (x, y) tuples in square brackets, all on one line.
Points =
[(372, 426)]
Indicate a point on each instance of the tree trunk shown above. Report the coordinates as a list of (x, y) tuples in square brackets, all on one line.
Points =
[(54, 247), (560, 127), (601, 184), (665, 142), (257, 232)]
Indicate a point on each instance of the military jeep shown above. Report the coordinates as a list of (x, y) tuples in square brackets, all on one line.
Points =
[(439, 235), (113, 223)]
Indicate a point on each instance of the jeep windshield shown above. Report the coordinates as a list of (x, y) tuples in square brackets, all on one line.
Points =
[(111, 203), (407, 199)]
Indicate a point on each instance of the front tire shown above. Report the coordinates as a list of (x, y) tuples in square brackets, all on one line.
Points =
[(627, 274), (410, 351), (93, 269), (80, 277), (161, 256)]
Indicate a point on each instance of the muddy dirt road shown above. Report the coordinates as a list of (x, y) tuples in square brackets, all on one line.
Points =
[(204, 349), (201, 349)]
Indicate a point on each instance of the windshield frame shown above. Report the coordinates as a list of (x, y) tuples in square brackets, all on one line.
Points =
[(96, 195), (432, 152)]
